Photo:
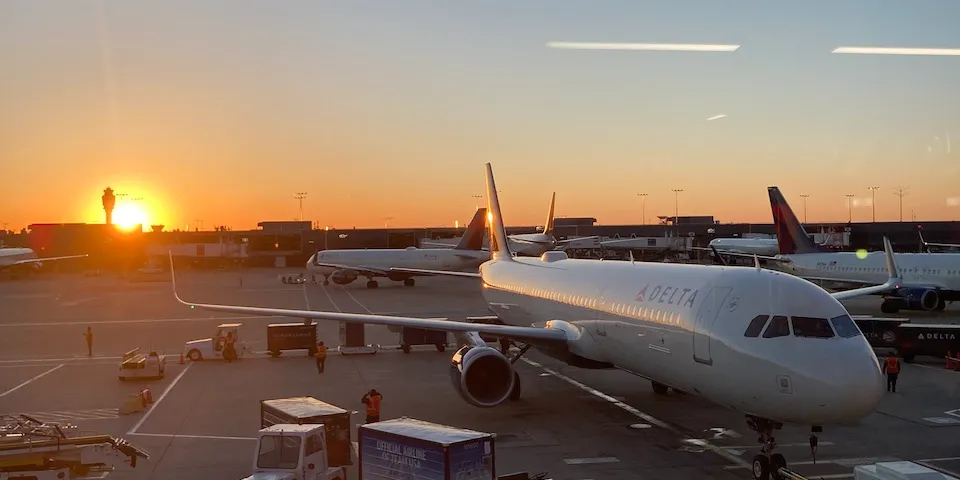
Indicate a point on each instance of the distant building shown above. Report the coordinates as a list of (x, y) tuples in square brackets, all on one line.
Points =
[(285, 227), (693, 220)]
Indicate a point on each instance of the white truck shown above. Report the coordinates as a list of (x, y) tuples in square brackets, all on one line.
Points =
[(212, 348), (293, 452)]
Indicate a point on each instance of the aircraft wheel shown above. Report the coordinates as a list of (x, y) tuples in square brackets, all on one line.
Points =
[(326, 282), (761, 467), (372, 284), (659, 388), (889, 307), (776, 463), (941, 305), (409, 282)]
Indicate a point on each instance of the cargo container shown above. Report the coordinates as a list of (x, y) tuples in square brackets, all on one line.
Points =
[(292, 336), (415, 449), (309, 410)]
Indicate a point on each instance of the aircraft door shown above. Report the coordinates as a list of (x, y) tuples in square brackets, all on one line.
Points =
[(705, 318)]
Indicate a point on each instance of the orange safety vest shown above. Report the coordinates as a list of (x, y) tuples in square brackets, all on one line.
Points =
[(373, 405), (321, 351), (893, 366)]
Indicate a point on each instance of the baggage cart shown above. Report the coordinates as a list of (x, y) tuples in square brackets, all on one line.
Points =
[(410, 336), (927, 339)]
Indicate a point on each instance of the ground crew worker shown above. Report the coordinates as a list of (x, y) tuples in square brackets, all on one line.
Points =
[(372, 400), (321, 356), (89, 335), (892, 368)]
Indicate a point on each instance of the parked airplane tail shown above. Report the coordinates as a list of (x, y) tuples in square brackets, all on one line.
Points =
[(472, 238), (791, 237), (548, 225), (499, 247)]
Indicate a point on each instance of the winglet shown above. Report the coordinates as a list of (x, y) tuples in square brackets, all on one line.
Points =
[(891, 260), (499, 247), (756, 262), (631, 257), (173, 279)]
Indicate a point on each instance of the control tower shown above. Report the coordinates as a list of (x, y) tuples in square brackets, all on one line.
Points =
[(108, 200)]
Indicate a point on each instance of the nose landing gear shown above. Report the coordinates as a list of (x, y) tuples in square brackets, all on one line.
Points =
[(767, 464)]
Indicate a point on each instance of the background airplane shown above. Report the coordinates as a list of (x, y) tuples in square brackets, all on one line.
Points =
[(345, 266), (929, 279), (927, 245), (531, 244), (758, 341), (15, 257)]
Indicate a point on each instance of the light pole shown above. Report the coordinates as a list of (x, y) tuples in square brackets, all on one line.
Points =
[(385, 230), (476, 201), (300, 196), (198, 224), (804, 196), (901, 192), (326, 237), (676, 205), (849, 207), (643, 208), (873, 202)]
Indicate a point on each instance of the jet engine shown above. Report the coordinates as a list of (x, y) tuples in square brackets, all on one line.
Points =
[(482, 375), (920, 298), (343, 277)]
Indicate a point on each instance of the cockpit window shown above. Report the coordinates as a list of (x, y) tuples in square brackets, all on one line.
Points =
[(756, 326), (778, 327), (811, 327), (845, 326)]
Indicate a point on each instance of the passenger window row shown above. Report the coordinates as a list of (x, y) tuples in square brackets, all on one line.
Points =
[(927, 271), (648, 314), (809, 327)]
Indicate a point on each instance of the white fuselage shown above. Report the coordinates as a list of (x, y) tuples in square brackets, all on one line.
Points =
[(531, 244), (749, 246), (445, 259), (683, 326), (9, 256), (934, 269)]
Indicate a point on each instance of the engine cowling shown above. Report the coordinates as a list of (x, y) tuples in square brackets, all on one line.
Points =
[(343, 277), (920, 298), (482, 376)]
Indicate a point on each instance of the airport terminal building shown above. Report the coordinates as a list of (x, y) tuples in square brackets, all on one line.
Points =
[(290, 243)]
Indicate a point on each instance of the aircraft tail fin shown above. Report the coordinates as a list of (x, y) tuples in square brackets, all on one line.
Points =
[(791, 237), (548, 225), (472, 238), (499, 247)]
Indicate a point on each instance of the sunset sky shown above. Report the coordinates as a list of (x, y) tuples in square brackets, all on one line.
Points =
[(222, 110)]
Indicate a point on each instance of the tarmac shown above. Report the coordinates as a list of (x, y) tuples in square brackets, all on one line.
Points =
[(575, 424)]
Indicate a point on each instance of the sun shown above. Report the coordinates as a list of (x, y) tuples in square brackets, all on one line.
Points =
[(127, 217)]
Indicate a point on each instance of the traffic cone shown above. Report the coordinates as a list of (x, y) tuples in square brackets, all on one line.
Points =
[(949, 364), (181, 359), (147, 396)]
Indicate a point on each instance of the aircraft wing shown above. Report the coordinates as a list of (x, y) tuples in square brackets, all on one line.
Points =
[(532, 335), (751, 255), (892, 284), (577, 239), (438, 273), (356, 268), (48, 259), (424, 243)]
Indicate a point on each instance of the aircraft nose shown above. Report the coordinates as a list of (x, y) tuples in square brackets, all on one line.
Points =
[(862, 386)]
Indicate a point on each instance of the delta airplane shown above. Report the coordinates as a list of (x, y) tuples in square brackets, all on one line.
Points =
[(929, 279), (694, 328), (13, 257), (533, 244), (748, 246), (344, 266)]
